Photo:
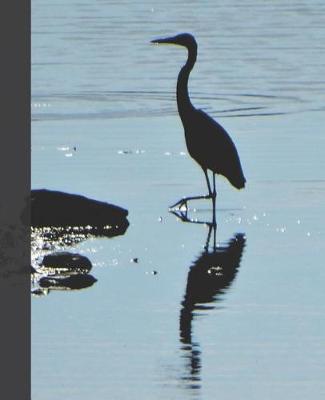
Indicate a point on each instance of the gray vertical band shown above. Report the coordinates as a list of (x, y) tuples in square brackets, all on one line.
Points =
[(14, 204)]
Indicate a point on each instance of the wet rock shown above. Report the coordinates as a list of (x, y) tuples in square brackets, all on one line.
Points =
[(58, 209), (66, 262), (73, 282)]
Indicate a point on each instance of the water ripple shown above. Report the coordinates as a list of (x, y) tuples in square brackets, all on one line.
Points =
[(129, 103)]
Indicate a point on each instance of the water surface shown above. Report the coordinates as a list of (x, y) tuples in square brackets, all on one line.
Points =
[(99, 86)]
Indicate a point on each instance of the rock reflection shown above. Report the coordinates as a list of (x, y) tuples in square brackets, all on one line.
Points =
[(209, 278), (52, 236), (67, 283)]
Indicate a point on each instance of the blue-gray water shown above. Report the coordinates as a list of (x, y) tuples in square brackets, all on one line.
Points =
[(98, 85)]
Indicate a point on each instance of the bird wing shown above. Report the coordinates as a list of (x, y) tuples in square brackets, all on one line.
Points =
[(213, 148)]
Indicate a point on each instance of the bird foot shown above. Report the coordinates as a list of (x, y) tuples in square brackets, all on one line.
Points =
[(180, 205)]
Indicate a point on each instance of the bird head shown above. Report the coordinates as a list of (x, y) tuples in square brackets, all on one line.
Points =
[(183, 39)]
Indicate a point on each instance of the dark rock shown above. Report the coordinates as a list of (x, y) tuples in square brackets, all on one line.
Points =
[(38, 292), (72, 282), (66, 262), (58, 209), (32, 270)]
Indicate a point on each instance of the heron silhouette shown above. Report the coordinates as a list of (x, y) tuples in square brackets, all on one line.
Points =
[(206, 140)]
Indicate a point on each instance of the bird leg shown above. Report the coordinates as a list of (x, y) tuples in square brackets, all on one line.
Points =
[(214, 193), (183, 202), (208, 181)]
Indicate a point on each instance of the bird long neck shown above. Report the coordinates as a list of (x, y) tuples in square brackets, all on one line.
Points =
[(183, 100)]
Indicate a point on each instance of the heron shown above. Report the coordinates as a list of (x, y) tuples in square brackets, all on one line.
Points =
[(207, 141)]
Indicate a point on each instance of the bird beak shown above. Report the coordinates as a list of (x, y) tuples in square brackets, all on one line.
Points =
[(169, 40)]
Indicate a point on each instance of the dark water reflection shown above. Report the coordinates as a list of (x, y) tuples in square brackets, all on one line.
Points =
[(209, 278)]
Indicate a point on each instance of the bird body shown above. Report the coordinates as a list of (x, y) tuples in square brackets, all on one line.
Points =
[(212, 148), (207, 141)]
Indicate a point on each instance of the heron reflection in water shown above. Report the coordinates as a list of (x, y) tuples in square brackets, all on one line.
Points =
[(209, 278), (207, 141)]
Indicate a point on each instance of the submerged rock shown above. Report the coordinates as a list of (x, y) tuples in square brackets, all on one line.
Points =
[(64, 262), (58, 209)]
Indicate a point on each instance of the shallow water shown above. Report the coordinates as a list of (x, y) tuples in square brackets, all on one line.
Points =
[(99, 86)]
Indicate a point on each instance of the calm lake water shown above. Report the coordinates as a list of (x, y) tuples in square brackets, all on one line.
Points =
[(143, 330)]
